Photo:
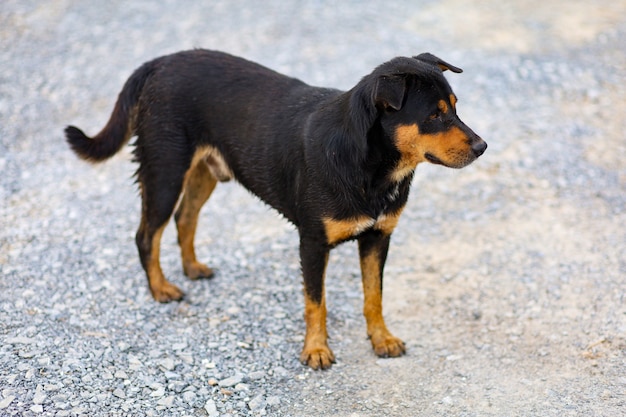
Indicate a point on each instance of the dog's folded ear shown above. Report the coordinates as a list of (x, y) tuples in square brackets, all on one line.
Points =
[(389, 91), (433, 60)]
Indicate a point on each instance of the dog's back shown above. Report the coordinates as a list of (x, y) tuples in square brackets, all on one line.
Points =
[(251, 116)]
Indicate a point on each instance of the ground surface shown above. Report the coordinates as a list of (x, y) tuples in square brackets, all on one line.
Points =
[(506, 279)]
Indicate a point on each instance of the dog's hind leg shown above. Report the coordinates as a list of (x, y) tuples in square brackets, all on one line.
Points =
[(199, 184), (161, 175)]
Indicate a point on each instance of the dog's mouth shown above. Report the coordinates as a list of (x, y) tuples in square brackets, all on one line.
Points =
[(433, 159)]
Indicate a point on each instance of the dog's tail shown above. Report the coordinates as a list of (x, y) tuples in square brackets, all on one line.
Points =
[(120, 126)]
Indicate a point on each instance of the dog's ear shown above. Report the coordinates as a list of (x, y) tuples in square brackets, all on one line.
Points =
[(389, 91), (433, 60)]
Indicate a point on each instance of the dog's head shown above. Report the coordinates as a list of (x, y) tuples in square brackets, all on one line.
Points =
[(416, 108)]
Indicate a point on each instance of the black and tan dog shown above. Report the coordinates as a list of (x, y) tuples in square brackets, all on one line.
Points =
[(338, 165)]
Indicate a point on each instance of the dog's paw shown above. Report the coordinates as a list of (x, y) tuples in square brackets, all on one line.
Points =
[(388, 346), (318, 357), (196, 270), (167, 292)]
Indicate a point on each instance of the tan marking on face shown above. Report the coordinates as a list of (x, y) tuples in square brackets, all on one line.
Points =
[(340, 230), (443, 106), (451, 147), (407, 138), (453, 100)]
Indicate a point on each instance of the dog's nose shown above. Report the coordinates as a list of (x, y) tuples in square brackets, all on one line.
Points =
[(478, 147)]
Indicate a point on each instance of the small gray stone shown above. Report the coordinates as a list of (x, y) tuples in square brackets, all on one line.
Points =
[(231, 381), (211, 408), (256, 375), (167, 364), (257, 403), (119, 393), (39, 396), (241, 387), (6, 401), (20, 340), (179, 346), (167, 401), (273, 400), (189, 397), (158, 392), (121, 375), (27, 354)]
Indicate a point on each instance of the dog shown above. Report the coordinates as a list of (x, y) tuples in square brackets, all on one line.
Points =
[(338, 165)]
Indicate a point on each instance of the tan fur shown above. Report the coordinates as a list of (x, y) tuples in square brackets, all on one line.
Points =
[(383, 342), (162, 290), (451, 147)]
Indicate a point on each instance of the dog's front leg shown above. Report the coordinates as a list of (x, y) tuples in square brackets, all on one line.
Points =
[(314, 257), (373, 247)]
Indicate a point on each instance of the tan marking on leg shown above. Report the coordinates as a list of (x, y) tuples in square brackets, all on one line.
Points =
[(162, 290), (316, 352), (199, 184), (384, 343), (340, 230)]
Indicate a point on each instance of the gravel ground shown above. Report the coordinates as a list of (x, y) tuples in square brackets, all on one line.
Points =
[(506, 279)]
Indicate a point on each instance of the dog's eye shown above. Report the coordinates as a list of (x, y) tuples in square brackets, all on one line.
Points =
[(436, 115)]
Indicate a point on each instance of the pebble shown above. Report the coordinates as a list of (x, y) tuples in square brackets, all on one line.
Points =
[(167, 364), (119, 393), (167, 401), (211, 408), (256, 375), (39, 396), (189, 397), (241, 387), (121, 375), (273, 400), (231, 381), (159, 390), (4, 403), (257, 403), (20, 340)]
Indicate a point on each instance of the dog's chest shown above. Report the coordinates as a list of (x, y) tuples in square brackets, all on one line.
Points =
[(338, 231)]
